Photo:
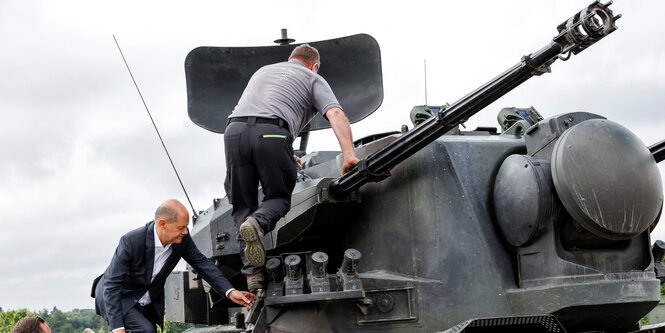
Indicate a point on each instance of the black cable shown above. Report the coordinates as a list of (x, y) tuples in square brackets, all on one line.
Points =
[(155, 126)]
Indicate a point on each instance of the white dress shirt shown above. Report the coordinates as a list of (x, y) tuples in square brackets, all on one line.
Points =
[(161, 254)]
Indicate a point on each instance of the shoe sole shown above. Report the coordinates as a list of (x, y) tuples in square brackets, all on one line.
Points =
[(254, 251), (254, 286)]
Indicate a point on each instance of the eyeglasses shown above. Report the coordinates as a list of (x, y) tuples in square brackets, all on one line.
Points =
[(37, 320)]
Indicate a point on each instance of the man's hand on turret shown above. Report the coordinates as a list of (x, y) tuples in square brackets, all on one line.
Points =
[(349, 163), (244, 298)]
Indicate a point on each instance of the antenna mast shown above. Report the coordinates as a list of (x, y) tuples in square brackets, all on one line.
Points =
[(194, 215), (425, 64)]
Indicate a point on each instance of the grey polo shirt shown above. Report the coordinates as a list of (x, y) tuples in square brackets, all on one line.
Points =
[(286, 90)]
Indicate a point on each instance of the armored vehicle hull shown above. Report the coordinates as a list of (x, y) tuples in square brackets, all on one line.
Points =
[(433, 255), (539, 228)]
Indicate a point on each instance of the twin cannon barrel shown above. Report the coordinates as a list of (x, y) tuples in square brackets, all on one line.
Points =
[(575, 34)]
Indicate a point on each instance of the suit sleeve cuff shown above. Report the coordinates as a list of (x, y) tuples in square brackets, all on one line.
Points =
[(229, 291)]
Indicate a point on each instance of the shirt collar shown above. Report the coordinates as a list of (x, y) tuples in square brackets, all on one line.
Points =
[(158, 242), (297, 61)]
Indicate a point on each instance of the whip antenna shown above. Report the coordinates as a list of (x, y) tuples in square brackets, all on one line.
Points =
[(425, 69), (155, 126)]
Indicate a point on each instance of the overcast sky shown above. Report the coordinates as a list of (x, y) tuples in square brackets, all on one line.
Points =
[(81, 164)]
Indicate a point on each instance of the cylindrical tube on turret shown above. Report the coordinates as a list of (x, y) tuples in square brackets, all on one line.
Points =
[(350, 262), (274, 268), (293, 267), (319, 263)]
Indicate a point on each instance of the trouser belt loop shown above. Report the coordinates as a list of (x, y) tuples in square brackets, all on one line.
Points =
[(251, 121)]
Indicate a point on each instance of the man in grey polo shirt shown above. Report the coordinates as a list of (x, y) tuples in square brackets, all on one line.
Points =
[(278, 102)]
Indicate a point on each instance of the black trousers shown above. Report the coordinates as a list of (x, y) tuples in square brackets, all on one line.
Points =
[(258, 152), (141, 319)]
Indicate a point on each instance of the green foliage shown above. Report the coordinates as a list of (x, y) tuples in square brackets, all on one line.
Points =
[(9, 318), (74, 321), (176, 327)]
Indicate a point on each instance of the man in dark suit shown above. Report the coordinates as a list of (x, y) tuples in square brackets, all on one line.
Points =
[(130, 293)]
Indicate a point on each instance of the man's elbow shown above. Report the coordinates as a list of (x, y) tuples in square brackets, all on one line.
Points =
[(336, 113)]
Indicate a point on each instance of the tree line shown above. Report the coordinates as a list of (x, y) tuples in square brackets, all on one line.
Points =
[(75, 321)]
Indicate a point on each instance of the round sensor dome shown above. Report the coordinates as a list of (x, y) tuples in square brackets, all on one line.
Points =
[(607, 179)]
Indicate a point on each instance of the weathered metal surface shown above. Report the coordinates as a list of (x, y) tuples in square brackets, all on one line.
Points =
[(585, 168), (463, 226)]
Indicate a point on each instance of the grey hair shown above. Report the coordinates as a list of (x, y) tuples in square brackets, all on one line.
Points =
[(167, 213)]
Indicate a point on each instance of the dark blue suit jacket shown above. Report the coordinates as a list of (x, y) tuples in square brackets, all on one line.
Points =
[(128, 276)]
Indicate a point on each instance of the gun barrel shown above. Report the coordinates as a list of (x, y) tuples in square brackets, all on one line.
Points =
[(575, 34)]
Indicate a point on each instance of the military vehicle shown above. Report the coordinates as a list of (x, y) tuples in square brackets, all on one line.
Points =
[(541, 227)]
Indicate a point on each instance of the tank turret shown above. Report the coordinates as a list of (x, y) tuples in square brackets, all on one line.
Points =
[(543, 226)]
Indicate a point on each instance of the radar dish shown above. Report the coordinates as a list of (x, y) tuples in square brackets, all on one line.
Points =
[(607, 179)]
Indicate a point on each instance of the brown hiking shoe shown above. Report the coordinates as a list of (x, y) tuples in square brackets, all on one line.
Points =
[(251, 232), (255, 282)]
